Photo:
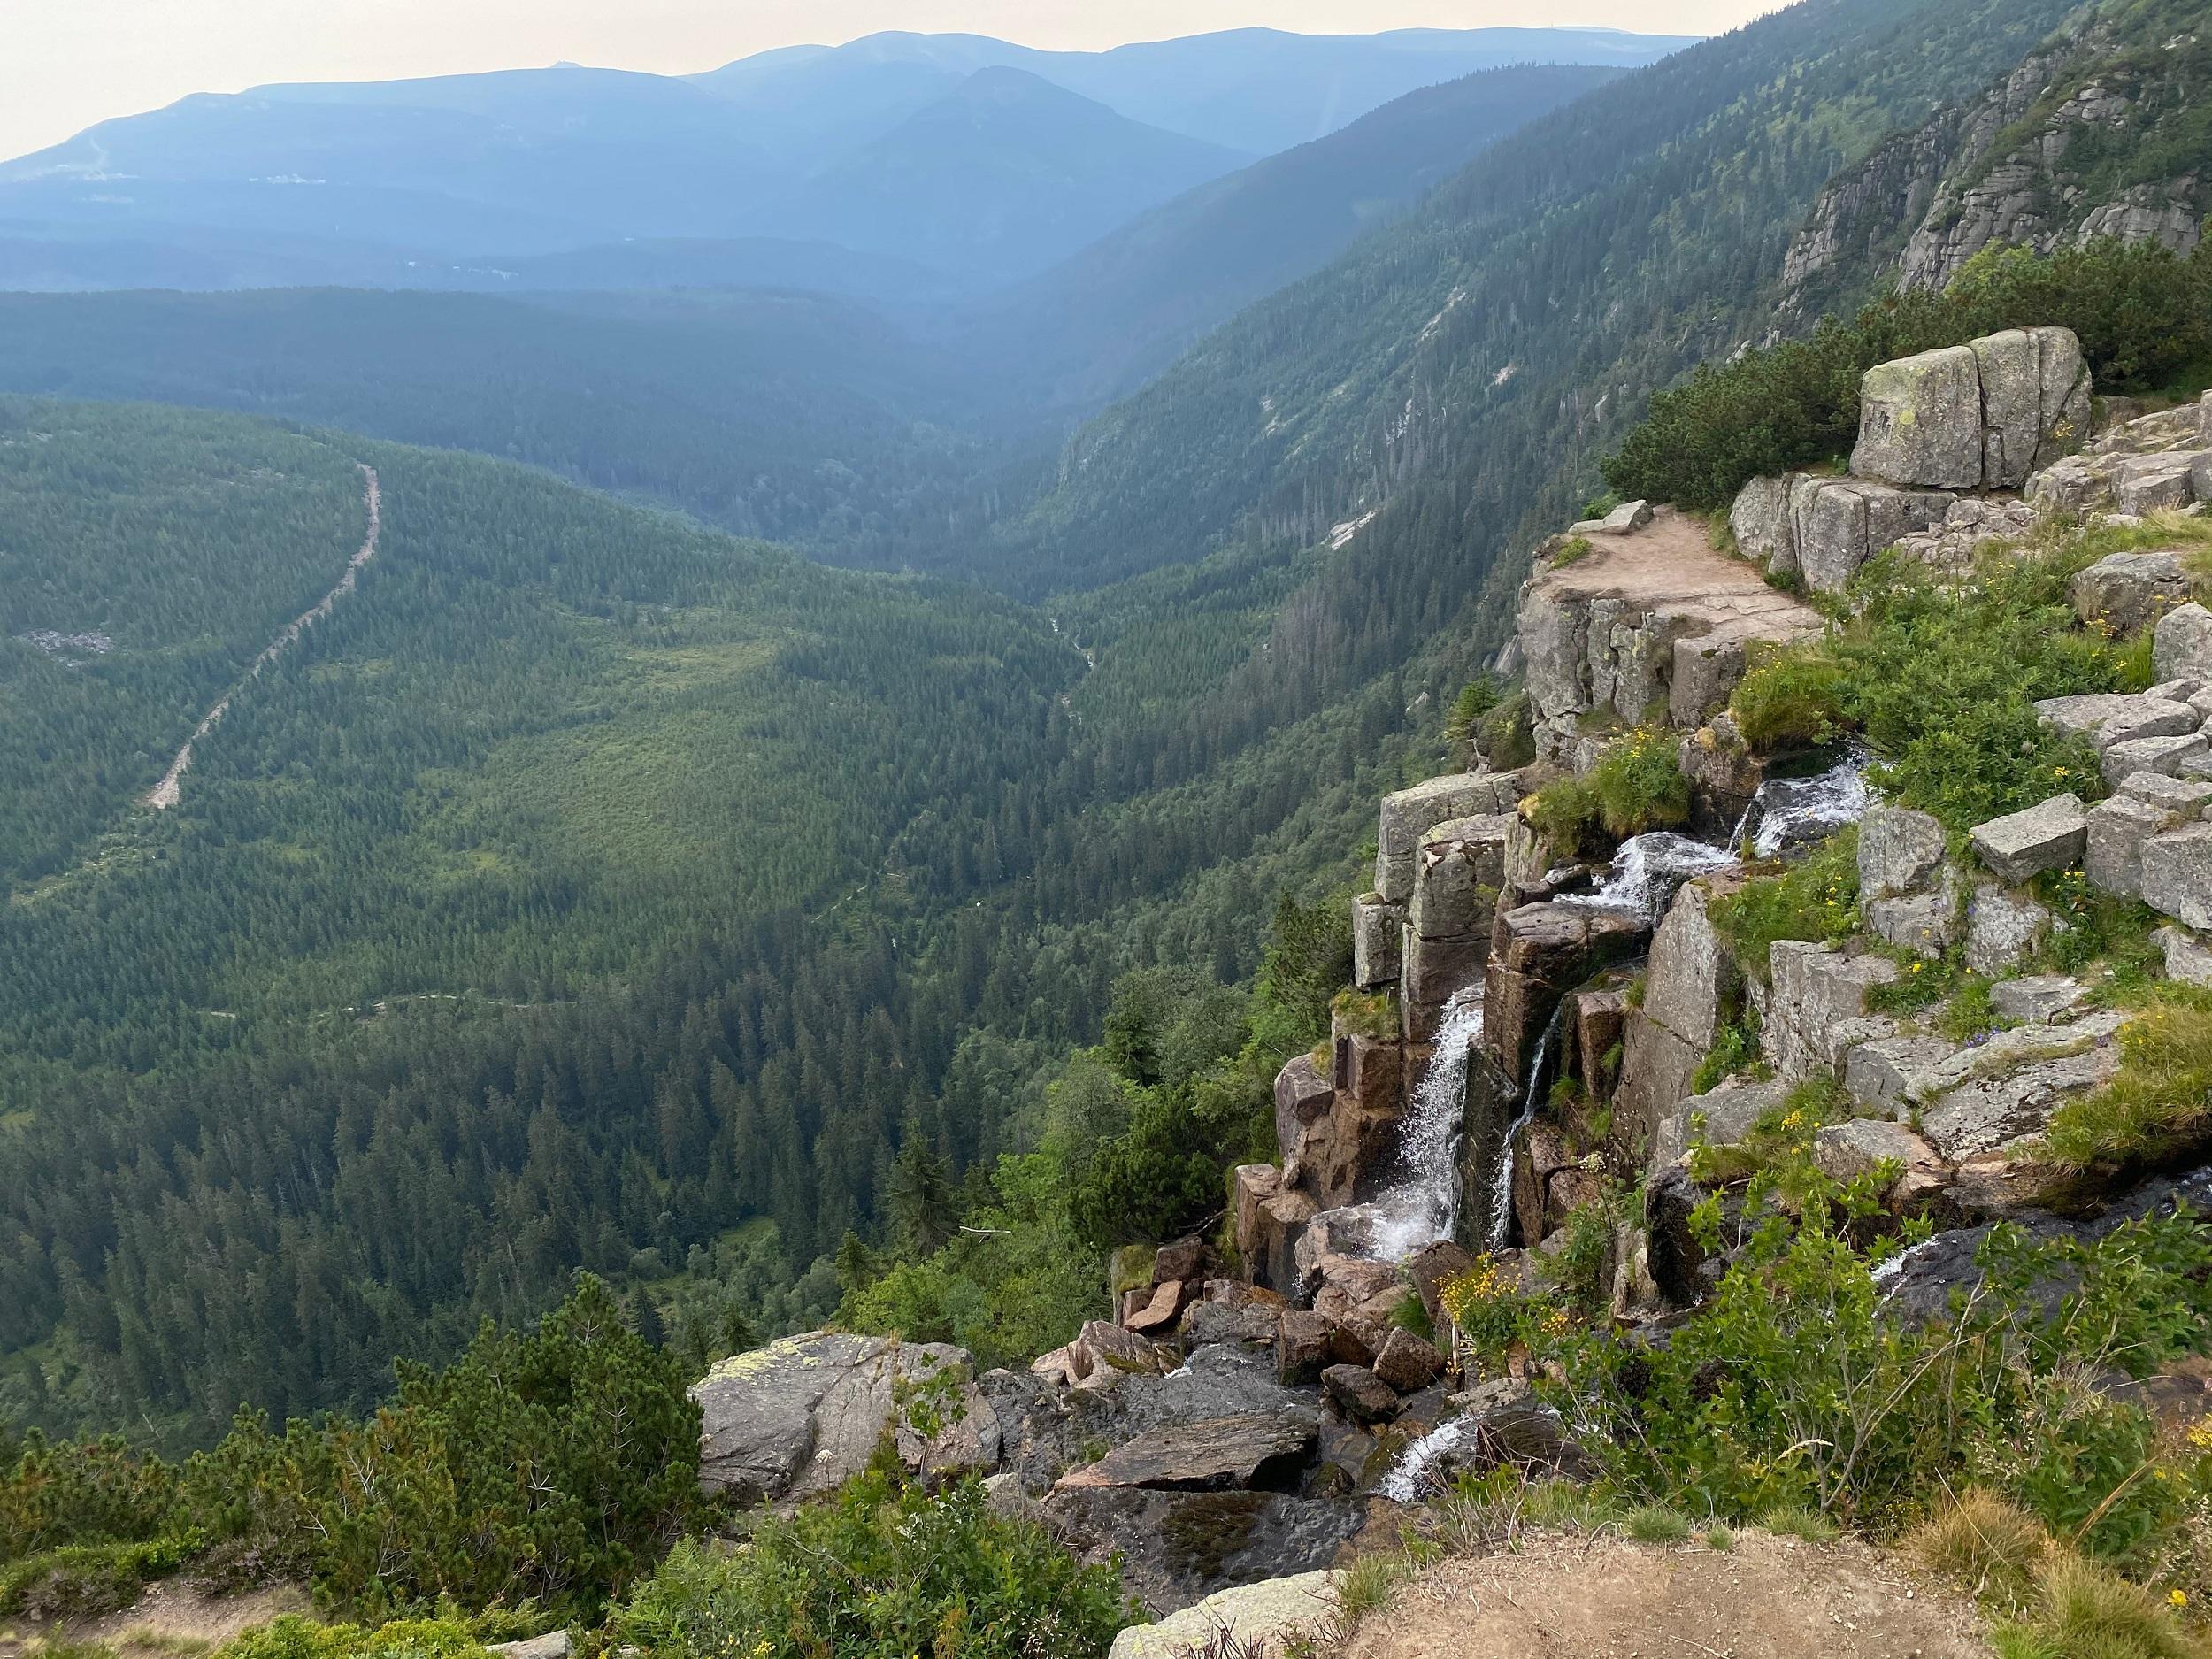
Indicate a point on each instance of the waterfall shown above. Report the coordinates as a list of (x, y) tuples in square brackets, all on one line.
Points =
[(1785, 814), (1422, 1204), (1500, 1218)]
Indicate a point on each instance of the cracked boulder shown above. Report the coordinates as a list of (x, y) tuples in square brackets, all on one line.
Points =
[(802, 1416), (2049, 835)]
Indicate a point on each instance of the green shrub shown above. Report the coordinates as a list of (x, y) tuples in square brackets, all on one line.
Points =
[(1656, 1524), (1814, 899), (551, 1467), (883, 1570), (1790, 699), (292, 1636), (86, 1580), (1574, 549), (91, 1491), (2159, 1105), (1507, 735), (1635, 786), (2144, 316), (1735, 1048), (1478, 697)]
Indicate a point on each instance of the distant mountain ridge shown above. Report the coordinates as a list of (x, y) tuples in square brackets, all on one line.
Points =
[(378, 183)]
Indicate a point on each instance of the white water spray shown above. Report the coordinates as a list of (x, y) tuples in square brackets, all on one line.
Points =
[(1422, 1204)]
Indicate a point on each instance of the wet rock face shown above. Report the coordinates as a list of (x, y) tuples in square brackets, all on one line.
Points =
[(1538, 953), (1177, 1547)]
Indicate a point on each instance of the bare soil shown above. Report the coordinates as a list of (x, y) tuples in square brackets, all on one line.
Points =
[(1670, 565), (169, 1619), (1601, 1598)]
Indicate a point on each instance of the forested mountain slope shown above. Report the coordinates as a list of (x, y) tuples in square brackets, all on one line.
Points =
[(1105, 320), (2101, 131), (584, 887), (1465, 366), (796, 416)]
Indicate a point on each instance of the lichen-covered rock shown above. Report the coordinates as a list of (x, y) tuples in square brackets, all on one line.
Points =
[(2039, 999), (1926, 924), (2188, 957), (1410, 814), (1985, 415), (1457, 873), (2170, 755), (1838, 524), (1656, 1066), (2003, 930), (1900, 851), (1920, 420), (2177, 875), (1845, 1151), (1986, 1114), (1760, 520), (1376, 927), (2035, 402), (1814, 993), (2129, 592), (2119, 827), (1624, 520), (1692, 977), (1880, 1073), (2181, 644), (1721, 1117), (2106, 718), (803, 1415), (2144, 483), (1303, 1094), (2049, 835), (1263, 1620)]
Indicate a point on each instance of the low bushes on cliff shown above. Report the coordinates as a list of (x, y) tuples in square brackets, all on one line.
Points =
[(1797, 1387), (550, 1467), (1943, 682), (882, 1570), (2143, 314), (1635, 786)]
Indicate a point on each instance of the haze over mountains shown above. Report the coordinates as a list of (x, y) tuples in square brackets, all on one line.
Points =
[(982, 160)]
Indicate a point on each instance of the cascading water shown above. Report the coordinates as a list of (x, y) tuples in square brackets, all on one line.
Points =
[(1792, 813), (1499, 1222), (1785, 814), (1422, 1205)]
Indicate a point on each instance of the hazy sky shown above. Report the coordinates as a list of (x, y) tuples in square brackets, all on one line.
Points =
[(66, 63)]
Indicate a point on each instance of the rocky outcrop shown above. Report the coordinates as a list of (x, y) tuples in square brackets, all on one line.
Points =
[(1263, 1620), (2047, 836), (1409, 815), (1458, 874), (2002, 169), (802, 1416), (1987, 414), (1650, 626)]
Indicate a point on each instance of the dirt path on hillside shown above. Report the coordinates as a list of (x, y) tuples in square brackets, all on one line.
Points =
[(1766, 1598), (169, 1619), (167, 793)]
